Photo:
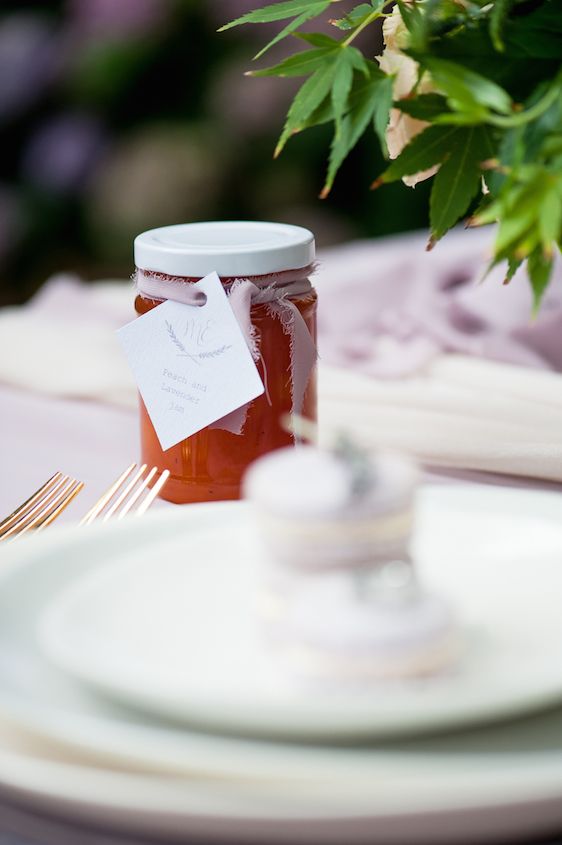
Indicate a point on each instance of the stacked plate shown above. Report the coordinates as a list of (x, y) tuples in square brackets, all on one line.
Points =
[(135, 686)]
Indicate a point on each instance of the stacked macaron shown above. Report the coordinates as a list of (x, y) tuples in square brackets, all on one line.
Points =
[(340, 597)]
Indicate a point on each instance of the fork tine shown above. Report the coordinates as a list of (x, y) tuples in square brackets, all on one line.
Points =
[(26, 506), (131, 501), (47, 508), (107, 496), (151, 495), (124, 493), (75, 488), (53, 492)]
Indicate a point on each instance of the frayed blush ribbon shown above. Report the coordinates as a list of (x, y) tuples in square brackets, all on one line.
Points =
[(276, 291)]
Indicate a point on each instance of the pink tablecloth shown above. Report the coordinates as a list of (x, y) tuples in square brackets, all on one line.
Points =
[(386, 308), (94, 443), (40, 435)]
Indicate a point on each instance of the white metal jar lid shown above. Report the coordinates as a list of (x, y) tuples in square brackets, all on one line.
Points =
[(232, 248)]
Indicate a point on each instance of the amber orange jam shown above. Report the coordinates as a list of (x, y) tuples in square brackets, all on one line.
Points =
[(209, 465)]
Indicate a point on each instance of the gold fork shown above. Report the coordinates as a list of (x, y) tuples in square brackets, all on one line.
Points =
[(42, 508), (126, 494), (130, 492)]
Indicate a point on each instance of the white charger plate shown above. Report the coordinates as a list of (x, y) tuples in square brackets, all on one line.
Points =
[(478, 786), (406, 806), (173, 630)]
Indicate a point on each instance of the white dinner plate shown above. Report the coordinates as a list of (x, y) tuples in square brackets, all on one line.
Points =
[(480, 785), (171, 627), (405, 806)]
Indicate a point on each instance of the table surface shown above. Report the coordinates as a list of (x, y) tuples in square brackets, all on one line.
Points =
[(38, 436)]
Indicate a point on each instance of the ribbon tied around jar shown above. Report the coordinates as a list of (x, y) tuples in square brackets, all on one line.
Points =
[(276, 291)]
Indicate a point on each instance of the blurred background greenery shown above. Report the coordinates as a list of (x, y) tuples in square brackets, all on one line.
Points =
[(120, 115)]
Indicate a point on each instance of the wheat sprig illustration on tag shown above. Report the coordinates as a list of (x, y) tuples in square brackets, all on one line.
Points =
[(195, 357)]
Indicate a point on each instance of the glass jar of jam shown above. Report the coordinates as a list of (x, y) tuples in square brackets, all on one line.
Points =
[(277, 259)]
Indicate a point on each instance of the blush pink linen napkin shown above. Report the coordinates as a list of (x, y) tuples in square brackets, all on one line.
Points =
[(388, 308), (420, 355)]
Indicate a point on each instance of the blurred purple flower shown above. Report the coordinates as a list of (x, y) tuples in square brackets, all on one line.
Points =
[(223, 11), (28, 61), (159, 174), (11, 220), (117, 18), (249, 106), (60, 156)]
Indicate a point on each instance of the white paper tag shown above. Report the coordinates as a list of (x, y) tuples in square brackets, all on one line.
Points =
[(191, 363)]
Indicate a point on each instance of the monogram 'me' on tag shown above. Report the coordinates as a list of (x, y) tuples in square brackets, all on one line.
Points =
[(191, 363)]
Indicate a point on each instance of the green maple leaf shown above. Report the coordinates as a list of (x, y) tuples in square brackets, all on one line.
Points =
[(425, 150), (305, 62), (370, 102), (458, 179), (309, 97), (300, 10)]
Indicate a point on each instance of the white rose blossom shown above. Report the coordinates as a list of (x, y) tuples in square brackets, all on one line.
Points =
[(401, 127)]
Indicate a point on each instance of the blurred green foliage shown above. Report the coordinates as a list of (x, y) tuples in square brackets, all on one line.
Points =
[(121, 115)]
